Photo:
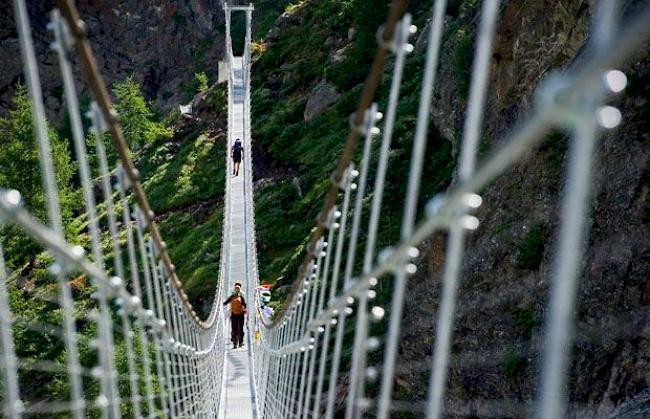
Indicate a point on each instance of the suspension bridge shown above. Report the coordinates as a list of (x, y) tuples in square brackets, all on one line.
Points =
[(317, 358)]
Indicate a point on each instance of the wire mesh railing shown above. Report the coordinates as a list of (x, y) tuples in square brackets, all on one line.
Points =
[(128, 343)]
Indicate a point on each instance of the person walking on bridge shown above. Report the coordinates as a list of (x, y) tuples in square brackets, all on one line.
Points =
[(237, 313), (237, 151)]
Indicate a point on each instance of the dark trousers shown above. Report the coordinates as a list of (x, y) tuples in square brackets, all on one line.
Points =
[(237, 328)]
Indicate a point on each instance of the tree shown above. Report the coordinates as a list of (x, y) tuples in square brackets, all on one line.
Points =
[(135, 116), (132, 112), (19, 156), (20, 168)]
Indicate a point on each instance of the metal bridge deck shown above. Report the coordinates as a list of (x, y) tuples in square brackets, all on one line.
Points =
[(237, 392)]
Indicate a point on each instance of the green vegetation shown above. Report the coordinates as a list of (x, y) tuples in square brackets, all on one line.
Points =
[(458, 37), (180, 20), (265, 14), (526, 320), (354, 67), (218, 99), (198, 58), (513, 362), (461, 61), (19, 160), (195, 247), (530, 251), (201, 82), (19, 156), (183, 177), (312, 148), (283, 256), (136, 117), (639, 81), (177, 176), (553, 152), (298, 57)]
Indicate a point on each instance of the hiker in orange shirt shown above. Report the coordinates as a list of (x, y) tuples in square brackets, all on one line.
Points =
[(237, 312)]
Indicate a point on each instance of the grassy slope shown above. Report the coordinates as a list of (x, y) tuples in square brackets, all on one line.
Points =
[(184, 182), (311, 149)]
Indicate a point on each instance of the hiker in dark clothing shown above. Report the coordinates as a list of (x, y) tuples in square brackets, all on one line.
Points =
[(237, 151), (237, 313)]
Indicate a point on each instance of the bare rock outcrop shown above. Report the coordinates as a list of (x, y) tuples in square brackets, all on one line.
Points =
[(160, 44), (322, 96)]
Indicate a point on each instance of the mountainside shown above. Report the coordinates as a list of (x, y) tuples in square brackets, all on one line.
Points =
[(160, 44), (310, 60), (306, 82)]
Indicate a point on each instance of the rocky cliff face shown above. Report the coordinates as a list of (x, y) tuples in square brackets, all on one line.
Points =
[(506, 272), (161, 44)]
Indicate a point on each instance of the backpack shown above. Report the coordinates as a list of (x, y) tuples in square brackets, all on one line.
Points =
[(236, 306), (237, 147)]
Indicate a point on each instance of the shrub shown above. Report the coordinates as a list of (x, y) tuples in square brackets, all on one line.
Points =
[(513, 363), (526, 320), (201, 82), (461, 61), (180, 20), (218, 98), (367, 16), (258, 48), (531, 250)]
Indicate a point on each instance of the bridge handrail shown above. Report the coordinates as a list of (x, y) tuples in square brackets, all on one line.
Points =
[(369, 89)]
